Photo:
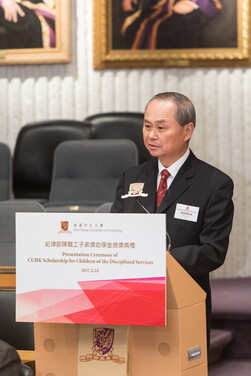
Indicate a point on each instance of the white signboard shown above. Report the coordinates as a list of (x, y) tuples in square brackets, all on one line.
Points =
[(68, 264)]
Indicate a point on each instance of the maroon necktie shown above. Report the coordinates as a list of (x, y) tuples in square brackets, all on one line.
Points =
[(162, 186)]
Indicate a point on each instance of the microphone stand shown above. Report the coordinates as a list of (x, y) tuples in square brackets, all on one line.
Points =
[(168, 236)]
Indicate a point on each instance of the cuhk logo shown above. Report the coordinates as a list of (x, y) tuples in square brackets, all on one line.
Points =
[(64, 225)]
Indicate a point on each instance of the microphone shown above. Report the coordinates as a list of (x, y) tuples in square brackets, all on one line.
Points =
[(168, 236)]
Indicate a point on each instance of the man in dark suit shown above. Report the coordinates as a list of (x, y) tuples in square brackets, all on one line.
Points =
[(198, 202), (10, 363)]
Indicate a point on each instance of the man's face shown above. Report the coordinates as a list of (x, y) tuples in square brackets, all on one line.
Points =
[(163, 137)]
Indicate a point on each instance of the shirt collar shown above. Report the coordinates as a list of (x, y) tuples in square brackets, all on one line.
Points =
[(174, 168)]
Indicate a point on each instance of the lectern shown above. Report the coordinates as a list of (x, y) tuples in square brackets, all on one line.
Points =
[(179, 349)]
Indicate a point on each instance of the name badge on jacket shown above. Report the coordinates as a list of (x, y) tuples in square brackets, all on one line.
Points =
[(186, 212)]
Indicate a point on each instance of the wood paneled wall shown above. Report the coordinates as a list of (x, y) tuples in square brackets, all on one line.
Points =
[(222, 98)]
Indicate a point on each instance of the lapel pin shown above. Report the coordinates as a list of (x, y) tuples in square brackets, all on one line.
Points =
[(135, 190)]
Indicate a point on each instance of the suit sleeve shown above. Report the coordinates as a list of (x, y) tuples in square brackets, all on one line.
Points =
[(210, 253), (207, 6)]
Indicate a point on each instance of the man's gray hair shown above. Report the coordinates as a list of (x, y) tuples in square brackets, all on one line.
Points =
[(185, 111)]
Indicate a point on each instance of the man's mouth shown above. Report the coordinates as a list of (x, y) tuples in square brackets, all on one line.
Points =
[(152, 146)]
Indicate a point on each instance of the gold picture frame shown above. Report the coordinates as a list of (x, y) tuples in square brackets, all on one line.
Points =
[(54, 41), (234, 50)]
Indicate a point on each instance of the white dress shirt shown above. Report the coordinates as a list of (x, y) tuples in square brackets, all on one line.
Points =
[(173, 169)]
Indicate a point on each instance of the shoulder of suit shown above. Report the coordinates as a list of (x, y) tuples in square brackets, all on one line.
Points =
[(206, 167)]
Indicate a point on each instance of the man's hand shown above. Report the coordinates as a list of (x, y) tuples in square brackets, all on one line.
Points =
[(12, 10), (127, 5), (184, 7), (218, 4)]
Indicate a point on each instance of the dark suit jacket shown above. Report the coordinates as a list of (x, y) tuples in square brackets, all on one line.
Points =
[(201, 246), (10, 363)]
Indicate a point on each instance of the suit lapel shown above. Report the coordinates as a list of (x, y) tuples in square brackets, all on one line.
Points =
[(180, 183), (149, 177)]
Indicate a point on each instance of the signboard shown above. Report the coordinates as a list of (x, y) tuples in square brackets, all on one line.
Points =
[(91, 268)]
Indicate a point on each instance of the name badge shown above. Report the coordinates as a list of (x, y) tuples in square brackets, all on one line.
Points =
[(186, 212)]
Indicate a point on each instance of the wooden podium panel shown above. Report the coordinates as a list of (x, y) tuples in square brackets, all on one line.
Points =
[(68, 349), (56, 349), (197, 371), (179, 349), (156, 350)]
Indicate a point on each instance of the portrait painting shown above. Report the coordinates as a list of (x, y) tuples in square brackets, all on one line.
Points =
[(141, 33), (34, 31)]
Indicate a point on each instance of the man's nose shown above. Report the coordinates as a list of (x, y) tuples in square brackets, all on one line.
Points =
[(153, 133)]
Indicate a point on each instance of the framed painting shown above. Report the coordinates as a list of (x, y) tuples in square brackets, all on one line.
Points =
[(34, 32), (171, 33)]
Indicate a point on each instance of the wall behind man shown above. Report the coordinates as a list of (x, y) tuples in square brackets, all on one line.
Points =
[(222, 98)]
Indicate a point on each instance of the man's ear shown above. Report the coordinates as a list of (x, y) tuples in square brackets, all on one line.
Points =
[(189, 128)]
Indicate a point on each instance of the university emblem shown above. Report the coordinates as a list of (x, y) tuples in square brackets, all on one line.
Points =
[(135, 190), (102, 348), (103, 340), (64, 225)]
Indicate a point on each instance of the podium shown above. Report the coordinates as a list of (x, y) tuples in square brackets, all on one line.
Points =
[(179, 349)]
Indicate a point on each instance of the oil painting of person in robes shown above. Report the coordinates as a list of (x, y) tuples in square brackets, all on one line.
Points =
[(174, 24), (27, 24)]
